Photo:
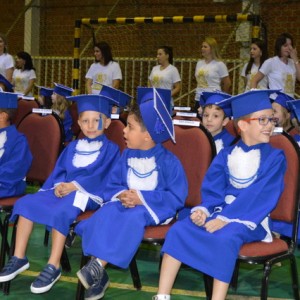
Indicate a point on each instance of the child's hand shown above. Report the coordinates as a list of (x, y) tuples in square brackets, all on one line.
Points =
[(198, 217), (214, 225), (130, 199), (293, 53), (64, 188)]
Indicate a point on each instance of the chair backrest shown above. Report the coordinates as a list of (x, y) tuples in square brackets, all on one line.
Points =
[(231, 128), (74, 115), (45, 139), (195, 149), (114, 132), (287, 206), (24, 108)]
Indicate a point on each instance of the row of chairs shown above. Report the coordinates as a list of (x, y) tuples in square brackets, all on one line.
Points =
[(195, 148)]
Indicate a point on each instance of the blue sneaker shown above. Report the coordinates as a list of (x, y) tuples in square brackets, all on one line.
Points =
[(97, 289), (13, 267), (89, 273), (47, 278)]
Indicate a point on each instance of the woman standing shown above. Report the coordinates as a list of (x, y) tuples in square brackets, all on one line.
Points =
[(6, 60), (165, 75), (258, 54), (24, 75), (211, 73), (104, 70), (283, 69)]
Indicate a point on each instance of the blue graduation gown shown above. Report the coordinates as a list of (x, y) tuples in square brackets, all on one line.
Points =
[(114, 233), (243, 199), (86, 163), (15, 161), (223, 139)]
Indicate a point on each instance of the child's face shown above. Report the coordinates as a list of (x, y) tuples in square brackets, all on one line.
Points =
[(255, 51), (162, 57), (253, 132), (280, 113), (97, 54), (134, 135), (89, 122), (213, 119)]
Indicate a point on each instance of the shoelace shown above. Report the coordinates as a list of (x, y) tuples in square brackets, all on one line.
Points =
[(96, 271)]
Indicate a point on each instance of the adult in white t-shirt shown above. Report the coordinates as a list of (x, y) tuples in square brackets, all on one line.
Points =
[(24, 75), (283, 69), (165, 75), (211, 73), (6, 60), (104, 70), (258, 54)]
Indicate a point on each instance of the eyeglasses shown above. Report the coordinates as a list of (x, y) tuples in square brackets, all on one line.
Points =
[(264, 120)]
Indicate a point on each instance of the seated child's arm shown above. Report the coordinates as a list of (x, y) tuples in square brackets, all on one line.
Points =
[(64, 188), (130, 199)]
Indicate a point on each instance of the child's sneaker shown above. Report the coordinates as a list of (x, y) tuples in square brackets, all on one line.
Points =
[(47, 278), (13, 267), (90, 273), (161, 297), (97, 290)]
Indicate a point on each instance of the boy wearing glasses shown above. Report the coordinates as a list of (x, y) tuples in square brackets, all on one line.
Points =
[(241, 187)]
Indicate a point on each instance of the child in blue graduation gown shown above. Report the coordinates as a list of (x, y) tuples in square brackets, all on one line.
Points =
[(146, 187), (241, 187), (15, 156), (75, 185), (216, 114)]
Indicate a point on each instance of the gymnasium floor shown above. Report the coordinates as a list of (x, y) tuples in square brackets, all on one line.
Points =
[(188, 286)]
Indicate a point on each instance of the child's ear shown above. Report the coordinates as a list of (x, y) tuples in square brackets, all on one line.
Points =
[(242, 125), (225, 121), (107, 123)]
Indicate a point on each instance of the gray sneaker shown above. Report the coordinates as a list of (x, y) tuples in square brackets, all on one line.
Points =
[(13, 267), (90, 273), (97, 290)]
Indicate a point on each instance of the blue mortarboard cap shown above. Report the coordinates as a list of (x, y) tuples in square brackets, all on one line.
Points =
[(146, 93), (155, 114), (120, 97), (250, 102), (93, 102), (62, 90), (8, 100), (44, 91), (216, 98), (294, 107), (282, 98), (7, 84)]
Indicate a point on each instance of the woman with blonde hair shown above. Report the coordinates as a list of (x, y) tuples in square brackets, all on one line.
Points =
[(211, 73)]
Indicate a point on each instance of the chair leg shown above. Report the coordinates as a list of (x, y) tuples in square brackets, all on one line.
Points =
[(135, 274), (64, 261), (4, 243), (235, 276), (265, 281), (6, 285), (295, 282), (208, 285), (46, 238), (80, 287)]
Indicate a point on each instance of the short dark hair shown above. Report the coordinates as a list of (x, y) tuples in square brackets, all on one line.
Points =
[(11, 112), (106, 51), (280, 41), (134, 110)]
